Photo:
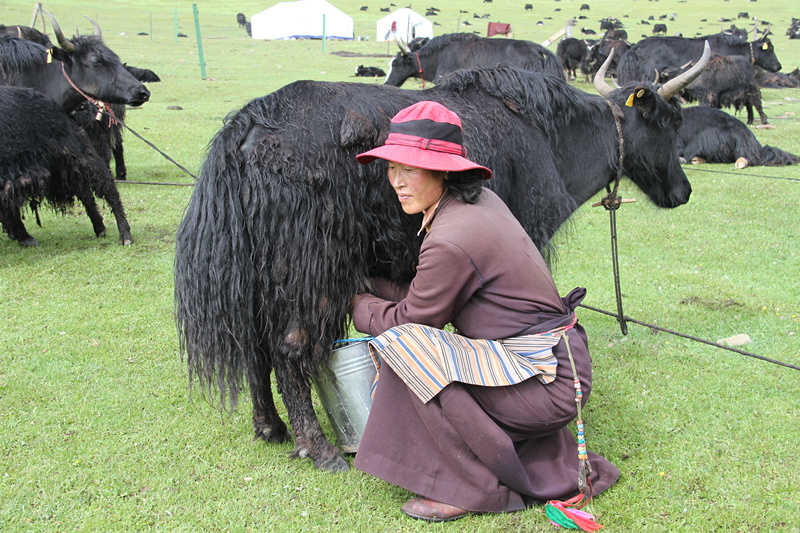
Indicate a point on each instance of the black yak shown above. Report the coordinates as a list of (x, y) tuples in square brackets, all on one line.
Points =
[(46, 157), (570, 52), (453, 51), (84, 62), (713, 136), (727, 81), (106, 133), (658, 53), (284, 227)]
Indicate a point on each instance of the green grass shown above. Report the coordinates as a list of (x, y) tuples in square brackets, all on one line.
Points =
[(99, 431)]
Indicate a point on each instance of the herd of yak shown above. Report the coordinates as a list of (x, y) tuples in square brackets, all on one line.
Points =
[(284, 227)]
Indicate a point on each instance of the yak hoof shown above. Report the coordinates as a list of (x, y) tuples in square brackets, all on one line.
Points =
[(125, 241), (30, 241), (101, 233), (741, 163), (268, 433), (335, 464)]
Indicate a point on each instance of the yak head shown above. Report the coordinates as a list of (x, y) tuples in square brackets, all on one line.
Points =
[(763, 54), (650, 118), (406, 63), (95, 69)]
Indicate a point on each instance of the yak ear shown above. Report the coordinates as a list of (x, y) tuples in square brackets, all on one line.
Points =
[(253, 137), (357, 130), (59, 54), (643, 99)]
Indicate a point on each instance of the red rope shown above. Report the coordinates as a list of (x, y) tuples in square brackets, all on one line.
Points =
[(101, 106), (420, 70)]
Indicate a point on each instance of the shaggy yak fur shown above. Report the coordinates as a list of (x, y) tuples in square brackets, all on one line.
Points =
[(716, 137), (284, 226), (46, 157)]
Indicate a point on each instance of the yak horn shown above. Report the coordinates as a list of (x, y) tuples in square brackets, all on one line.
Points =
[(658, 77), (63, 42), (674, 86), (403, 46), (96, 26), (600, 78)]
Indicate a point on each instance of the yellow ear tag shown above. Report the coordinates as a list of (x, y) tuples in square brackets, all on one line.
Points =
[(49, 55), (629, 103), (765, 47)]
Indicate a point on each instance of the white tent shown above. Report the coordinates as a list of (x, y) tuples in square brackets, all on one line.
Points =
[(301, 19), (409, 24)]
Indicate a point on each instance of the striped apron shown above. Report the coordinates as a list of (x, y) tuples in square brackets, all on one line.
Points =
[(427, 359)]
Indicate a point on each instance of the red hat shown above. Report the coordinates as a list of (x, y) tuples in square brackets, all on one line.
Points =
[(425, 135)]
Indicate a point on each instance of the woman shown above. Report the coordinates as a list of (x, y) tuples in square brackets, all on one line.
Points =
[(467, 423)]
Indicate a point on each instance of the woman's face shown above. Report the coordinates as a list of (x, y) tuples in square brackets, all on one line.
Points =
[(416, 188)]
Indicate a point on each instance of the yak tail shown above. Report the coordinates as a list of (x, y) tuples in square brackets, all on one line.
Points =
[(214, 280), (775, 157)]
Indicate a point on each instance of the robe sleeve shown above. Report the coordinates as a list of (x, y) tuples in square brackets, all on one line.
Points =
[(388, 289), (446, 279)]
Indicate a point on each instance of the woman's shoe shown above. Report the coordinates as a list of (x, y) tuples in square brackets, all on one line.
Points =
[(432, 511)]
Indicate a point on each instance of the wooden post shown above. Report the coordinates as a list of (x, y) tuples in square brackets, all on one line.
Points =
[(37, 12)]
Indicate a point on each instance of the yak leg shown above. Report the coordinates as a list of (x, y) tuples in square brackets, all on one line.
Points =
[(12, 224), (761, 114), (267, 423), (94, 214), (107, 190), (309, 439), (121, 172)]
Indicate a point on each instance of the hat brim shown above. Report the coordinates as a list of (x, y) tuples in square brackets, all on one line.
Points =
[(428, 159)]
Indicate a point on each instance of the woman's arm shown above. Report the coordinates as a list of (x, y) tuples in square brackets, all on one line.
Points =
[(446, 279)]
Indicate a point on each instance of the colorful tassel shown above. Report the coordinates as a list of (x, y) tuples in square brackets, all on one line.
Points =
[(560, 515), (568, 514)]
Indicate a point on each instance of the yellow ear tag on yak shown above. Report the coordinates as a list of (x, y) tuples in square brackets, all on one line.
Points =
[(629, 103), (765, 47), (49, 55)]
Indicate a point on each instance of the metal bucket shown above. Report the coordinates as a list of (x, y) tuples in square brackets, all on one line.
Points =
[(344, 388)]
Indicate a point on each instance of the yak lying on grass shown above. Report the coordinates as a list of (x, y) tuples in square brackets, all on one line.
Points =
[(714, 136), (284, 226), (46, 157)]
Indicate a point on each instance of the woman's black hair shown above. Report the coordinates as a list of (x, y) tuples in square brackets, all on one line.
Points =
[(465, 185)]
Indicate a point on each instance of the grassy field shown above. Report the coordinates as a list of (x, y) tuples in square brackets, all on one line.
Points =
[(98, 430)]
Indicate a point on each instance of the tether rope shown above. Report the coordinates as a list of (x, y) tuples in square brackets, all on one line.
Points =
[(691, 337), (156, 148), (738, 173), (134, 182)]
